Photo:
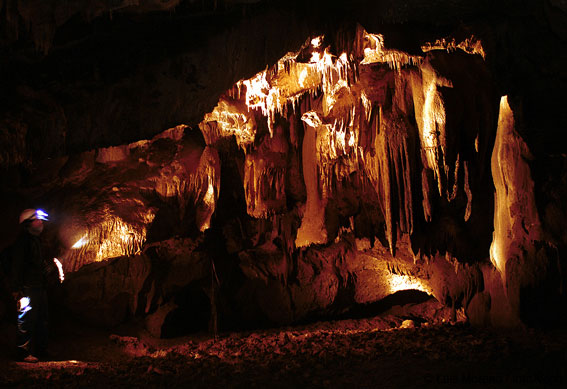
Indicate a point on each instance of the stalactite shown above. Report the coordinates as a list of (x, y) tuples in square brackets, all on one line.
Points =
[(107, 236), (405, 197), (450, 195), (425, 190), (470, 45), (264, 176), (468, 192)]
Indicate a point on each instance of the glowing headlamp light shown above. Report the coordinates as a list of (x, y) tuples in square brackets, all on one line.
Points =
[(23, 306), (41, 214)]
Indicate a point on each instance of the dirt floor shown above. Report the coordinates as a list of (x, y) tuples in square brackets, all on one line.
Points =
[(383, 351)]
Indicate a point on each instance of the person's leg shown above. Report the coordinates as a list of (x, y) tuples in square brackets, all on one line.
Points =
[(27, 317), (41, 332)]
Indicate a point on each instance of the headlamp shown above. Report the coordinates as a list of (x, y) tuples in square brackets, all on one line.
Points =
[(41, 215)]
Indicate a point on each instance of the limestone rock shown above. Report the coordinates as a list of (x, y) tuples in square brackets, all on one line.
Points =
[(155, 321), (313, 173), (107, 293)]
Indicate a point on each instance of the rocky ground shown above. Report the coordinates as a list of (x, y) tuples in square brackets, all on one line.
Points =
[(407, 346)]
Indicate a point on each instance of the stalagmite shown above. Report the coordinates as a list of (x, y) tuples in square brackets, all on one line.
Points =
[(516, 223)]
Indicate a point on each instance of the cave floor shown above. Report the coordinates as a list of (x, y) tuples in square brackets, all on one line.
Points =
[(360, 353)]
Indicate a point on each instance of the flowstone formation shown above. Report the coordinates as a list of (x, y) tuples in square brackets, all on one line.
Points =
[(344, 173)]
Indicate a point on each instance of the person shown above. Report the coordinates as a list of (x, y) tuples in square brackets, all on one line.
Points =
[(30, 273)]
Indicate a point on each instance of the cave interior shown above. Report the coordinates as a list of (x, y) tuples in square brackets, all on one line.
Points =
[(211, 167)]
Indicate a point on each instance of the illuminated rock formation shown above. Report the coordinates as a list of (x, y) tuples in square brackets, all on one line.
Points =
[(108, 200), (355, 166)]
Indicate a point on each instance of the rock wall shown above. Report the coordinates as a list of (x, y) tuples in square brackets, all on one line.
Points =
[(363, 160)]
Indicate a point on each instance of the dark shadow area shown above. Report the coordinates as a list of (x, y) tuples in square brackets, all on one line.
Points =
[(403, 297), (191, 316), (410, 297)]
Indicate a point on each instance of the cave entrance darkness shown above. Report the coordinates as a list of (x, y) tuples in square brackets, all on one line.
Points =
[(400, 298), (191, 315)]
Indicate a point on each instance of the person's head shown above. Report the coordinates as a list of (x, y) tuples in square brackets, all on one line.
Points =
[(32, 220)]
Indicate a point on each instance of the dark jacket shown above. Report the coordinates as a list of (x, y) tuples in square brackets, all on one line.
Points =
[(29, 268)]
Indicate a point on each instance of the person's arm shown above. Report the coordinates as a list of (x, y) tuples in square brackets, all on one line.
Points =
[(51, 271)]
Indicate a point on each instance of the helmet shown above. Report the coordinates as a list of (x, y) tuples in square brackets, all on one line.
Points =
[(32, 214)]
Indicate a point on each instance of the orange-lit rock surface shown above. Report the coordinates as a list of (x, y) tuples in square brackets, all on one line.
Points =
[(314, 173)]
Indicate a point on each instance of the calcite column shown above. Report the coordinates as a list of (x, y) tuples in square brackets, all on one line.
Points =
[(312, 229), (527, 263)]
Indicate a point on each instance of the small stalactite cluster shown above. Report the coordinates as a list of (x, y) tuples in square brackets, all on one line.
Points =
[(122, 190), (107, 236), (398, 124)]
